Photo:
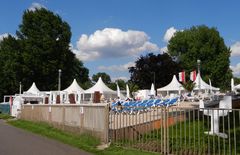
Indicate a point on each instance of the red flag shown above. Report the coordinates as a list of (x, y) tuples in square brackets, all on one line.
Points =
[(182, 76), (193, 75)]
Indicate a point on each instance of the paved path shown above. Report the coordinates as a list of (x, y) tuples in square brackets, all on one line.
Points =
[(14, 141)]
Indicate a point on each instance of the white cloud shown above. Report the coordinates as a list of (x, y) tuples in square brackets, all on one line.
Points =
[(164, 49), (113, 43), (5, 35), (236, 70), (235, 48), (117, 68), (36, 6), (169, 34)]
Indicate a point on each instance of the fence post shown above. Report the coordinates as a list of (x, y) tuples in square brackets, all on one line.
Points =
[(107, 113), (164, 131)]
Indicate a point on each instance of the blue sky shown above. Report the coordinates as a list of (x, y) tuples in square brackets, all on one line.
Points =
[(109, 35)]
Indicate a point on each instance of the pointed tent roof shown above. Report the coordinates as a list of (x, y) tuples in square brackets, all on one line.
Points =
[(174, 85), (33, 89), (152, 90), (203, 85), (74, 87), (101, 87), (237, 86)]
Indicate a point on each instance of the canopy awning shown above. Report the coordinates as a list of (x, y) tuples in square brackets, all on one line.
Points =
[(74, 87), (203, 85), (101, 87), (174, 85)]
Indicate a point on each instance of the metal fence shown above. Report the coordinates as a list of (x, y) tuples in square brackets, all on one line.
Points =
[(178, 130)]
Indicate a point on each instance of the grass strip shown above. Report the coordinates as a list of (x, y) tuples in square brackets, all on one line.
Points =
[(5, 116), (83, 141)]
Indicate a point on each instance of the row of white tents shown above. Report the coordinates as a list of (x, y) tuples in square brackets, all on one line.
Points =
[(175, 86), (80, 94)]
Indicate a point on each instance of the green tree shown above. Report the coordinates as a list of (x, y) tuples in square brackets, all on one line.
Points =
[(205, 44), (236, 80), (45, 39), (10, 66), (105, 77), (40, 49), (121, 83), (153, 68)]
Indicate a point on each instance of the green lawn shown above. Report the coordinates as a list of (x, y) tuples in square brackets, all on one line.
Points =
[(85, 142)]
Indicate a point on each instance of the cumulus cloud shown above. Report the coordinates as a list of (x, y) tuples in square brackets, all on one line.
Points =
[(164, 49), (236, 70), (5, 35), (117, 68), (36, 6), (113, 42), (169, 34), (235, 48)]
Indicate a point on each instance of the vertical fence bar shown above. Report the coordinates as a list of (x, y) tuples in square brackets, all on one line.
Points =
[(194, 130), (224, 147), (185, 132), (199, 138), (165, 133), (203, 143), (137, 118), (168, 131), (158, 118), (130, 130), (180, 130), (176, 136), (208, 134), (162, 130), (218, 136), (213, 115), (121, 129), (189, 130), (234, 128), (175, 121), (157, 128), (173, 118), (229, 136), (117, 128)]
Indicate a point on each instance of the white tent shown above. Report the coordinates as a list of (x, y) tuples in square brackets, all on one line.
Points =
[(203, 85), (152, 90), (237, 87), (33, 89), (101, 87), (174, 85), (74, 87)]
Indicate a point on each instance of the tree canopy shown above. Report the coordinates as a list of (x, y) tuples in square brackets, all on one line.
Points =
[(160, 68), (105, 77), (205, 44), (10, 65), (40, 49)]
